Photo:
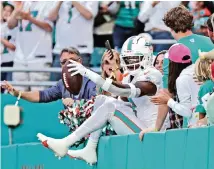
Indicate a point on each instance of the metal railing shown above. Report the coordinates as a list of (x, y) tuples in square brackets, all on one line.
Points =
[(36, 83), (166, 41)]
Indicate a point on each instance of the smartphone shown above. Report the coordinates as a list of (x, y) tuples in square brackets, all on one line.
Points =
[(108, 47)]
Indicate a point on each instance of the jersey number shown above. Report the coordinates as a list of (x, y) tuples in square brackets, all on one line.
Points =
[(28, 28), (5, 50), (69, 15)]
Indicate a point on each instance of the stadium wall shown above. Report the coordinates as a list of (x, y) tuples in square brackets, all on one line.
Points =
[(174, 149)]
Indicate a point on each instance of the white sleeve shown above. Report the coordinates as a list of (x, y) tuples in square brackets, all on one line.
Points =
[(183, 107), (92, 6), (145, 11)]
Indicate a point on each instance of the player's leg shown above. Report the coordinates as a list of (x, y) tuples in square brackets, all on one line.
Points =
[(123, 124), (122, 120), (97, 121)]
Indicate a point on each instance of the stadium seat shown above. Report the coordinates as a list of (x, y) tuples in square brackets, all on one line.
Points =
[(96, 57)]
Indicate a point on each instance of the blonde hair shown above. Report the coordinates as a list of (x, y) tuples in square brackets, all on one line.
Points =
[(116, 54), (103, 74), (202, 69)]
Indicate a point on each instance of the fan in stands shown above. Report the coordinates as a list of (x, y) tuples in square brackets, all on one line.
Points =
[(69, 80)]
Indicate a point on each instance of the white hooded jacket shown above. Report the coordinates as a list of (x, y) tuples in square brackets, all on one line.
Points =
[(187, 91)]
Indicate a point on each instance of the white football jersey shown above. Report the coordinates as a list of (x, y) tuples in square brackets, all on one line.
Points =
[(33, 43), (146, 110), (6, 33), (73, 30)]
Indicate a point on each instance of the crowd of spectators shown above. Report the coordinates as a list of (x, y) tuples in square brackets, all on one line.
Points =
[(34, 33), (186, 97)]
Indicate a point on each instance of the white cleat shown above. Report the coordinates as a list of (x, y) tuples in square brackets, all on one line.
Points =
[(58, 146), (89, 156)]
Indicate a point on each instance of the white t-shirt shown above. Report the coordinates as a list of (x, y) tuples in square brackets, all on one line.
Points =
[(34, 44), (187, 91), (73, 30), (155, 15), (6, 54)]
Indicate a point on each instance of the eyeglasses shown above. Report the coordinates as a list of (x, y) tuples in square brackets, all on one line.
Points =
[(64, 61)]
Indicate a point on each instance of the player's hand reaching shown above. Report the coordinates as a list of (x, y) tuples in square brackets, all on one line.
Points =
[(76, 68), (7, 86)]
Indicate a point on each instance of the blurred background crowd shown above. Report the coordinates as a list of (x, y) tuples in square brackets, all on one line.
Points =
[(45, 28)]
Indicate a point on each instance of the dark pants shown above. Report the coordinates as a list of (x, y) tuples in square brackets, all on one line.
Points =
[(161, 35), (6, 75), (56, 63), (120, 35)]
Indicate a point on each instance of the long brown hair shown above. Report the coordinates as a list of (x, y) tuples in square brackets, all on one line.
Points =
[(175, 70)]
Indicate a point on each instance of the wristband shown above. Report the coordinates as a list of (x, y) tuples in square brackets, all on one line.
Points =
[(133, 90), (155, 130), (107, 84)]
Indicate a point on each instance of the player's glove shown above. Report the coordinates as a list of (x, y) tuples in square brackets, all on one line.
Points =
[(76, 68)]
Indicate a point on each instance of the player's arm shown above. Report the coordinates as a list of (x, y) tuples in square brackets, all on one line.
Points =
[(7, 44), (42, 24), (138, 89), (83, 10), (162, 113), (144, 88), (55, 12)]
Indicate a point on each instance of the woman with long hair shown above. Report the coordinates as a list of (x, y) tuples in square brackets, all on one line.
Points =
[(181, 97), (158, 61)]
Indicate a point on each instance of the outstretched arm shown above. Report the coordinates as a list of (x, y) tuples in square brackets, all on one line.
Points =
[(138, 89)]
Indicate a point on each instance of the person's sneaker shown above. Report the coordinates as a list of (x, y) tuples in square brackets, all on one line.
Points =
[(87, 154), (58, 146)]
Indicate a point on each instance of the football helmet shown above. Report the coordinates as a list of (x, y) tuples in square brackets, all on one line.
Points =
[(136, 54)]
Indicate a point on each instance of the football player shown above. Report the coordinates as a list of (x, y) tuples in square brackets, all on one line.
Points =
[(128, 114)]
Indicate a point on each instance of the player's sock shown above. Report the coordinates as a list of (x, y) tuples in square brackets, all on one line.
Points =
[(87, 154)]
